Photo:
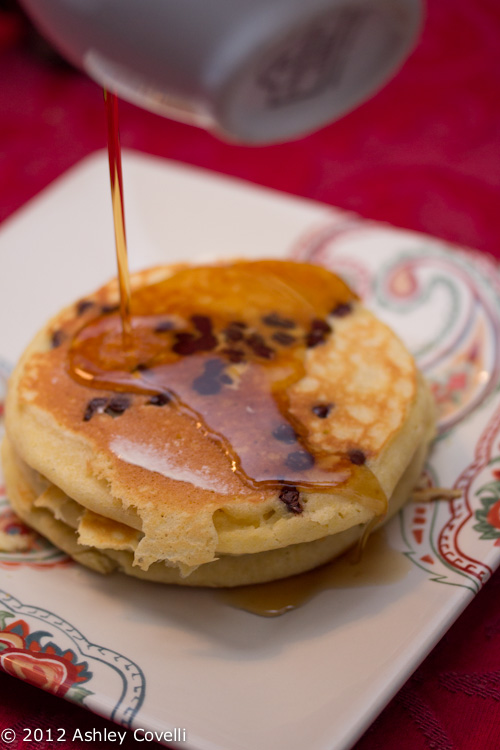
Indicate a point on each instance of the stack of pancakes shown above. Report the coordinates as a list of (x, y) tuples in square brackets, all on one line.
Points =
[(135, 476)]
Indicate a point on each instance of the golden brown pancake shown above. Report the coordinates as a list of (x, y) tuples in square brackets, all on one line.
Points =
[(258, 418)]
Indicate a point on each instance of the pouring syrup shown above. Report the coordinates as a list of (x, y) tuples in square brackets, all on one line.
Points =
[(116, 180)]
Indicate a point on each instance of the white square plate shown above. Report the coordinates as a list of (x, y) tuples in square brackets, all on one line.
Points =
[(163, 657)]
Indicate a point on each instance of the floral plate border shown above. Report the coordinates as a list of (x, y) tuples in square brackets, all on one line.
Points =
[(456, 295)]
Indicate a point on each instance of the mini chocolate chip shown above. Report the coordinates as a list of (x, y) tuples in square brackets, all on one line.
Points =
[(83, 305), (214, 367), (320, 325), (185, 343), (206, 385), (314, 338), (210, 382), (322, 410), (317, 333), (93, 406), (108, 309), (159, 399), (285, 433), (291, 497), (275, 320), (283, 338), (164, 325), (202, 323), (299, 460), (234, 355), (259, 347), (57, 338), (207, 342), (357, 457), (117, 405), (341, 310), (141, 367), (233, 332)]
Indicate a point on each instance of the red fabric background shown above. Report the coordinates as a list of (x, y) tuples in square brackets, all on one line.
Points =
[(423, 154)]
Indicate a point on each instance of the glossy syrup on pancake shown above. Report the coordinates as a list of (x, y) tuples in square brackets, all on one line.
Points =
[(223, 345)]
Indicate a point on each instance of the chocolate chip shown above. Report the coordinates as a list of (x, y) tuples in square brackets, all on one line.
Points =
[(341, 310), (202, 323), (206, 385), (259, 347), (283, 338), (212, 379), (357, 457), (187, 343), (317, 333), (206, 343), (108, 309), (291, 497), (214, 367), (164, 325), (320, 325), (233, 332), (83, 305), (314, 338), (94, 405), (234, 355), (141, 367), (322, 410), (57, 338), (276, 321), (299, 460), (117, 405), (159, 399), (285, 434)]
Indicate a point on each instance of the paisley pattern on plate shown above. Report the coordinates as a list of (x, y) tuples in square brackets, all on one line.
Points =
[(19, 545), (38, 646), (29, 656), (442, 537), (45, 650), (445, 304)]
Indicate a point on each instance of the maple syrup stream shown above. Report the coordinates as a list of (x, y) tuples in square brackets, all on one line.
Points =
[(116, 179)]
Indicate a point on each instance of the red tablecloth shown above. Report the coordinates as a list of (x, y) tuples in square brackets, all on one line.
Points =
[(423, 154)]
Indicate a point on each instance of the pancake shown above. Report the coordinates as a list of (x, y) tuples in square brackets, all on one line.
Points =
[(255, 422)]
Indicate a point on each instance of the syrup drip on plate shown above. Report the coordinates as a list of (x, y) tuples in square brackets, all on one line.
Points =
[(379, 564)]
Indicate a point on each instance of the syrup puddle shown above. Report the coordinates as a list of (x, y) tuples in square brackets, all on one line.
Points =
[(380, 564)]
